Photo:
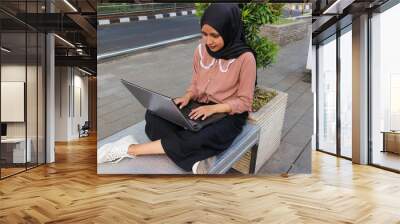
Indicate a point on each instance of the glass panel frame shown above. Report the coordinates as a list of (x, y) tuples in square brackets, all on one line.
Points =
[(339, 128)]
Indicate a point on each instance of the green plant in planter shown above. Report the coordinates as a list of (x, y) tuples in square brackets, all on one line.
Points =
[(254, 15), (262, 97)]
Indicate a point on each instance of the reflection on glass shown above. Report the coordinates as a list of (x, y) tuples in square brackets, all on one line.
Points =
[(22, 90), (13, 85), (386, 89), (327, 97), (395, 102), (346, 94)]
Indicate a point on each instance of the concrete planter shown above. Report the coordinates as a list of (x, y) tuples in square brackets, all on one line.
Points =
[(270, 118), (285, 33)]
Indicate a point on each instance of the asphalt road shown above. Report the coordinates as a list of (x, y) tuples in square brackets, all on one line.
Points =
[(123, 36)]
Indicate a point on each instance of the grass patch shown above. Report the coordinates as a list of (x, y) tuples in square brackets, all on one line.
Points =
[(282, 21)]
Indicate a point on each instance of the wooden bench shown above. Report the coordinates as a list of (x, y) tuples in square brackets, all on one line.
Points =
[(161, 164)]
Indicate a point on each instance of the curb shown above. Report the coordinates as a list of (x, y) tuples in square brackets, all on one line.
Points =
[(102, 22), (110, 55)]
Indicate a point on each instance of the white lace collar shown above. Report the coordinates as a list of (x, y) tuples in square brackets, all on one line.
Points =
[(213, 62)]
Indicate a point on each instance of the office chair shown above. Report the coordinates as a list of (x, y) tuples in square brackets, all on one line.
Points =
[(84, 130)]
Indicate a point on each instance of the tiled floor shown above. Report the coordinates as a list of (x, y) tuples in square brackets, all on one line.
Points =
[(288, 75)]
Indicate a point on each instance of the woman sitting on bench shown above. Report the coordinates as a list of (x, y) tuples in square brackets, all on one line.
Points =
[(224, 72)]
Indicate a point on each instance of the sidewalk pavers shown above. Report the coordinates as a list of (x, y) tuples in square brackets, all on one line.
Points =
[(168, 71)]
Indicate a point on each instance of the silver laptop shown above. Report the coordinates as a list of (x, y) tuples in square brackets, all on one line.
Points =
[(165, 107)]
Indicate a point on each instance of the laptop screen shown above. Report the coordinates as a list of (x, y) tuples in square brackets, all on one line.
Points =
[(3, 129)]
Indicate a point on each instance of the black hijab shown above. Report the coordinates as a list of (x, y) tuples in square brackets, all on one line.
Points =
[(227, 20)]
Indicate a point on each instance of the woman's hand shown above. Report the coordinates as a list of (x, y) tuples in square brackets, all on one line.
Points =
[(206, 111), (182, 101)]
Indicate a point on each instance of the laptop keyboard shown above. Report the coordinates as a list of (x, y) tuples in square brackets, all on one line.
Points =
[(199, 123), (188, 108)]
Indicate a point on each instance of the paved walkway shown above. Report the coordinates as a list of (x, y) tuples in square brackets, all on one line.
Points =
[(168, 70)]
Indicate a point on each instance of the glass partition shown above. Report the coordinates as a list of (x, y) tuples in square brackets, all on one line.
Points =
[(346, 92), (13, 105), (22, 78), (31, 99), (327, 96), (385, 89)]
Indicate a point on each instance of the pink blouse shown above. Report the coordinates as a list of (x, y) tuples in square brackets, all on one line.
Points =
[(223, 81)]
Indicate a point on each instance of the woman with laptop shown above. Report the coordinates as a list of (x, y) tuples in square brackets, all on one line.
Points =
[(224, 73)]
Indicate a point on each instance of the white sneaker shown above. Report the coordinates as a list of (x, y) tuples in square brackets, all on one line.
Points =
[(101, 150), (203, 166), (194, 167), (117, 150)]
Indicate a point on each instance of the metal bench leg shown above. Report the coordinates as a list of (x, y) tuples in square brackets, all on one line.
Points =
[(253, 159)]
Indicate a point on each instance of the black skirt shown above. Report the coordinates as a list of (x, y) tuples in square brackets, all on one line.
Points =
[(185, 147)]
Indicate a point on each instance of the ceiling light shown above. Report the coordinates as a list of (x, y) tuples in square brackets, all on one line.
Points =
[(65, 41), (86, 72), (5, 50), (70, 5)]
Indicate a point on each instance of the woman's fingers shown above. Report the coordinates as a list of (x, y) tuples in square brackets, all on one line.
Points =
[(193, 112), (180, 102), (194, 115), (177, 101), (196, 110), (198, 113), (204, 115), (183, 104)]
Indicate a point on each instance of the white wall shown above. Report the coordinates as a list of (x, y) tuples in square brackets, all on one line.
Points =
[(80, 83), (12, 73), (62, 80), (12, 101), (69, 82), (33, 125)]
